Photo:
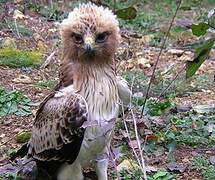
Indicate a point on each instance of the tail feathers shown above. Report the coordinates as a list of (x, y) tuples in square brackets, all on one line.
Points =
[(21, 152)]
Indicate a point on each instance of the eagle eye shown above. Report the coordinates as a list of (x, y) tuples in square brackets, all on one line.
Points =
[(78, 38), (100, 38)]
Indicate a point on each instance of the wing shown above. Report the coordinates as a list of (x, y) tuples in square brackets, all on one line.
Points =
[(125, 93), (57, 133)]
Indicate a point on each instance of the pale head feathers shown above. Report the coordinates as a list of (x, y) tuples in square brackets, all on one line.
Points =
[(89, 20)]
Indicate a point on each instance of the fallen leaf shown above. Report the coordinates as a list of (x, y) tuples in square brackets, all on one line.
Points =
[(177, 52), (212, 160), (204, 108), (151, 169), (138, 94), (147, 39), (9, 43), (18, 14), (126, 164), (117, 152), (174, 128), (134, 143), (22, 79), (211, 126), (155, 138), (177, 168), (143, 63)]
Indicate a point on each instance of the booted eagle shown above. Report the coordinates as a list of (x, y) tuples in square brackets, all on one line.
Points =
[(89, 91)]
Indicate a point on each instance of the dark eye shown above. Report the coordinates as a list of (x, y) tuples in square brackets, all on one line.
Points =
[(78, 38), (100, 38)]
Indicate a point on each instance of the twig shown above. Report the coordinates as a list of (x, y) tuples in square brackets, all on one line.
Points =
[(162, 93), (114, 6), (17, 30), (47, 61), (211, 25), (132, 147), (158, 58), (139, 145), (111, 157), (127, 131)]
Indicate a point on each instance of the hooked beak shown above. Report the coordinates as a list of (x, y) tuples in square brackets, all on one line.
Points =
[(89, 43)]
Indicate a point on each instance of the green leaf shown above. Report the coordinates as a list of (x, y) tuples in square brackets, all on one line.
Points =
[(3, 99), (23, 137), (13, 107), (172, 146), (127, 13), (199, 29), (201, 54), (160, 174)]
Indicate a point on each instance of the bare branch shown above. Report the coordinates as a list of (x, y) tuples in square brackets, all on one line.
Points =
[(158, 58), (163, 92)]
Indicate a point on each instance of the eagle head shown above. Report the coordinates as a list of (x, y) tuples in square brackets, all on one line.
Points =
[(89, 34)]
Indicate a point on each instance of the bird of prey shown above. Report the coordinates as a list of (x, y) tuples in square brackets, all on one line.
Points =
[(89, 90)]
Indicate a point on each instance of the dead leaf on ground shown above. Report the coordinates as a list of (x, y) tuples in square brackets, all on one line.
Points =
[(212, 160), (134, 143), (177, 168), (18, 15), (126, 164), (22, 79)]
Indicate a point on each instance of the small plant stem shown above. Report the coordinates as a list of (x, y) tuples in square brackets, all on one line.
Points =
[(132, 147), (111, 157), (211, 25), (48, 60), (114, 6), (162, 93), (139, 145), (158, 58), (17, 30)]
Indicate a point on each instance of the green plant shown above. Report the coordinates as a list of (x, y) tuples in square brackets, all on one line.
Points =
[(47, 84), (14, 102), (20, 58), (203, 164), (20, 27)]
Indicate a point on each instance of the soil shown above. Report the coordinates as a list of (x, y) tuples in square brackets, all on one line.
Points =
[(46, 32)]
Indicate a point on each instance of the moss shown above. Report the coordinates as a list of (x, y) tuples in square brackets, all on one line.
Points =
[(20, 58), (23, 137)]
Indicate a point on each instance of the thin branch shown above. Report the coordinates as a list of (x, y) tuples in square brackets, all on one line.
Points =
[(111, 157), (163, 92), (158, 58), (139, 145), (17, 30), (114, 6), (132, 147), (47, 61), (211, 25), (129, 137)]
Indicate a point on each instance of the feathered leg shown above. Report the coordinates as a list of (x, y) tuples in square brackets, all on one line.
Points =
[(101, 168), (70, 172)]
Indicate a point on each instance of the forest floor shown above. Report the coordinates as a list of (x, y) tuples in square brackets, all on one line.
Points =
[(177, 138)]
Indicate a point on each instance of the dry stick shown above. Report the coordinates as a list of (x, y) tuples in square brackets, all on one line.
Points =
[(129, 138), (48, 60), (162, 93), (139, 145), (158, 58), (132, 147), (17, 30), (111, 157), (114, 6)]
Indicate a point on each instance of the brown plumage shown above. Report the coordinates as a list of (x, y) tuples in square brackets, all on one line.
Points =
[(89, 90)]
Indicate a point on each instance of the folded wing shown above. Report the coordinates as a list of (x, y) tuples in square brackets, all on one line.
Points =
[(57, 133)]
